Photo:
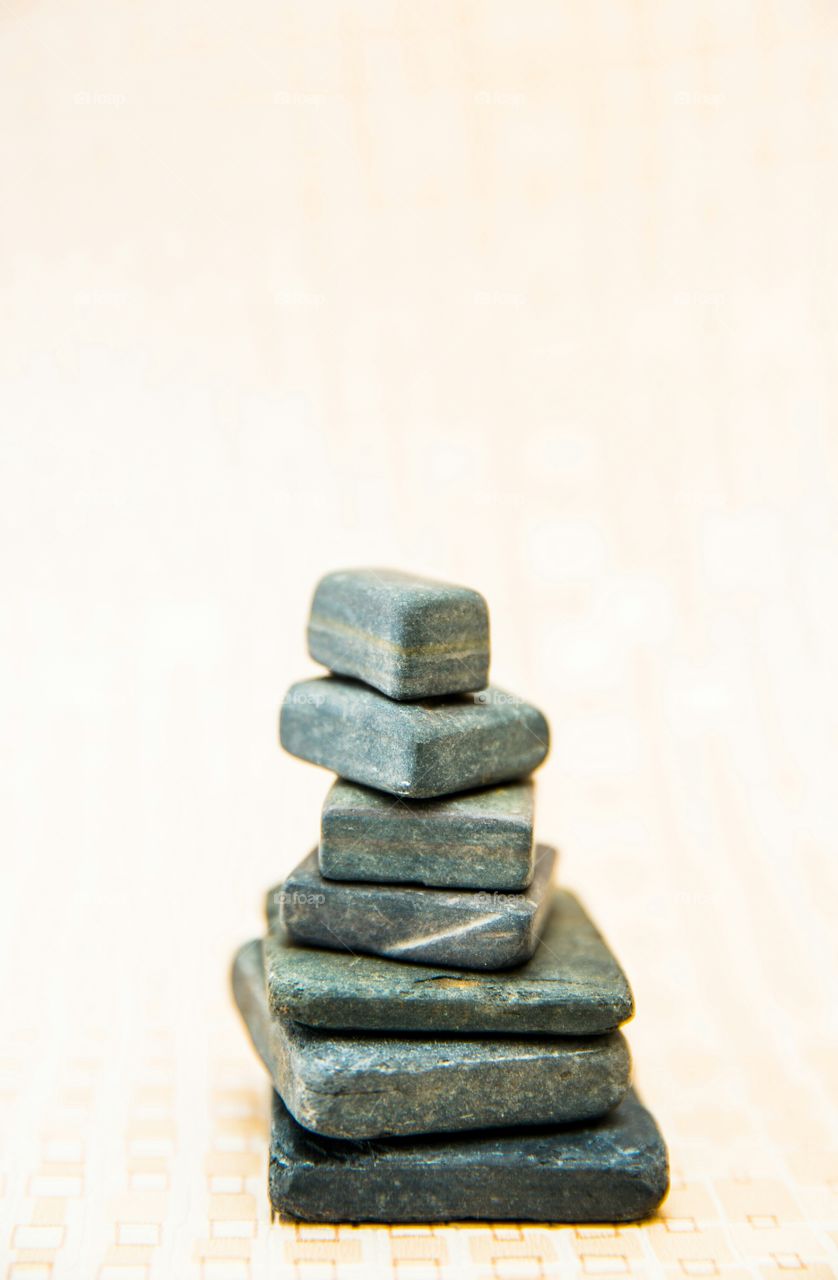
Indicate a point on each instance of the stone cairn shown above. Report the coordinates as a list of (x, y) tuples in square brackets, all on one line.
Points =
[(439, 1022)]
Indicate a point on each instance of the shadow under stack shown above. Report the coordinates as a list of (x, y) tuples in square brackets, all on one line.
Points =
[(440, 1023)]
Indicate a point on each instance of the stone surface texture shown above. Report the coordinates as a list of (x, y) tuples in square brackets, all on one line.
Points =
[(478, 840), (410, 637), (363, 1086), (469, 929), (611, 1170), (573, 985), (412, 749)]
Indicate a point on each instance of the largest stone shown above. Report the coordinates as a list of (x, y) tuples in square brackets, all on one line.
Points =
[(410, 637), (363, 1086), (412, 749), (612, 1170), (573, 985)]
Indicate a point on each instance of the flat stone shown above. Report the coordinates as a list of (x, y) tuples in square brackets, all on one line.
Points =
[(478, 840), (408, 636), (466, 929), (410, 748), (573, 985), (610, 1170), (365, 1086)]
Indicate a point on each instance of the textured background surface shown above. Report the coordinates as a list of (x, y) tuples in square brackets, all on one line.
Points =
[(538, 296)]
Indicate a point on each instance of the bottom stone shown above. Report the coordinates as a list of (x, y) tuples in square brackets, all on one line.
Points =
[(611, 1170)]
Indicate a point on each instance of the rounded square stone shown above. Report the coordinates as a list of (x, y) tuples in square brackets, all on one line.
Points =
[(364, 1086), (412, 749), (409, 636), (485, 929), (614, 1169), (573, 985), (476, 840)]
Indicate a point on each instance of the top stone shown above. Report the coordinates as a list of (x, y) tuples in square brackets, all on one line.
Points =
[(407, 636)]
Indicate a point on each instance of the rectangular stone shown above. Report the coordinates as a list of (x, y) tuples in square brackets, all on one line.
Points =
[(463, 928), (477, 840), (364, 1086), (610, 1170), (573, 985), (408, 748), (408, 636)]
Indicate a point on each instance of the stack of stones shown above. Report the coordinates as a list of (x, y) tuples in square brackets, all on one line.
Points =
[(440, 1024)]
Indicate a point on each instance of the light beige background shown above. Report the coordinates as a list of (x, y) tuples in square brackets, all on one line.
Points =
[(538, 296)]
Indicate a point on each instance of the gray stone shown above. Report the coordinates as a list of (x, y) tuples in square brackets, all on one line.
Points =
[(464, 928), (611, 1170), (364, 1086), (572, 986), (478, 840), (408, 636), (409, 748)]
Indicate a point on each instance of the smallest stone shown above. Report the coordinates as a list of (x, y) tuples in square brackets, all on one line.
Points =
[(408, 636)]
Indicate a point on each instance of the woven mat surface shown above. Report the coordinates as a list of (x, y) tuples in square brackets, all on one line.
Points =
[(536, 296)]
